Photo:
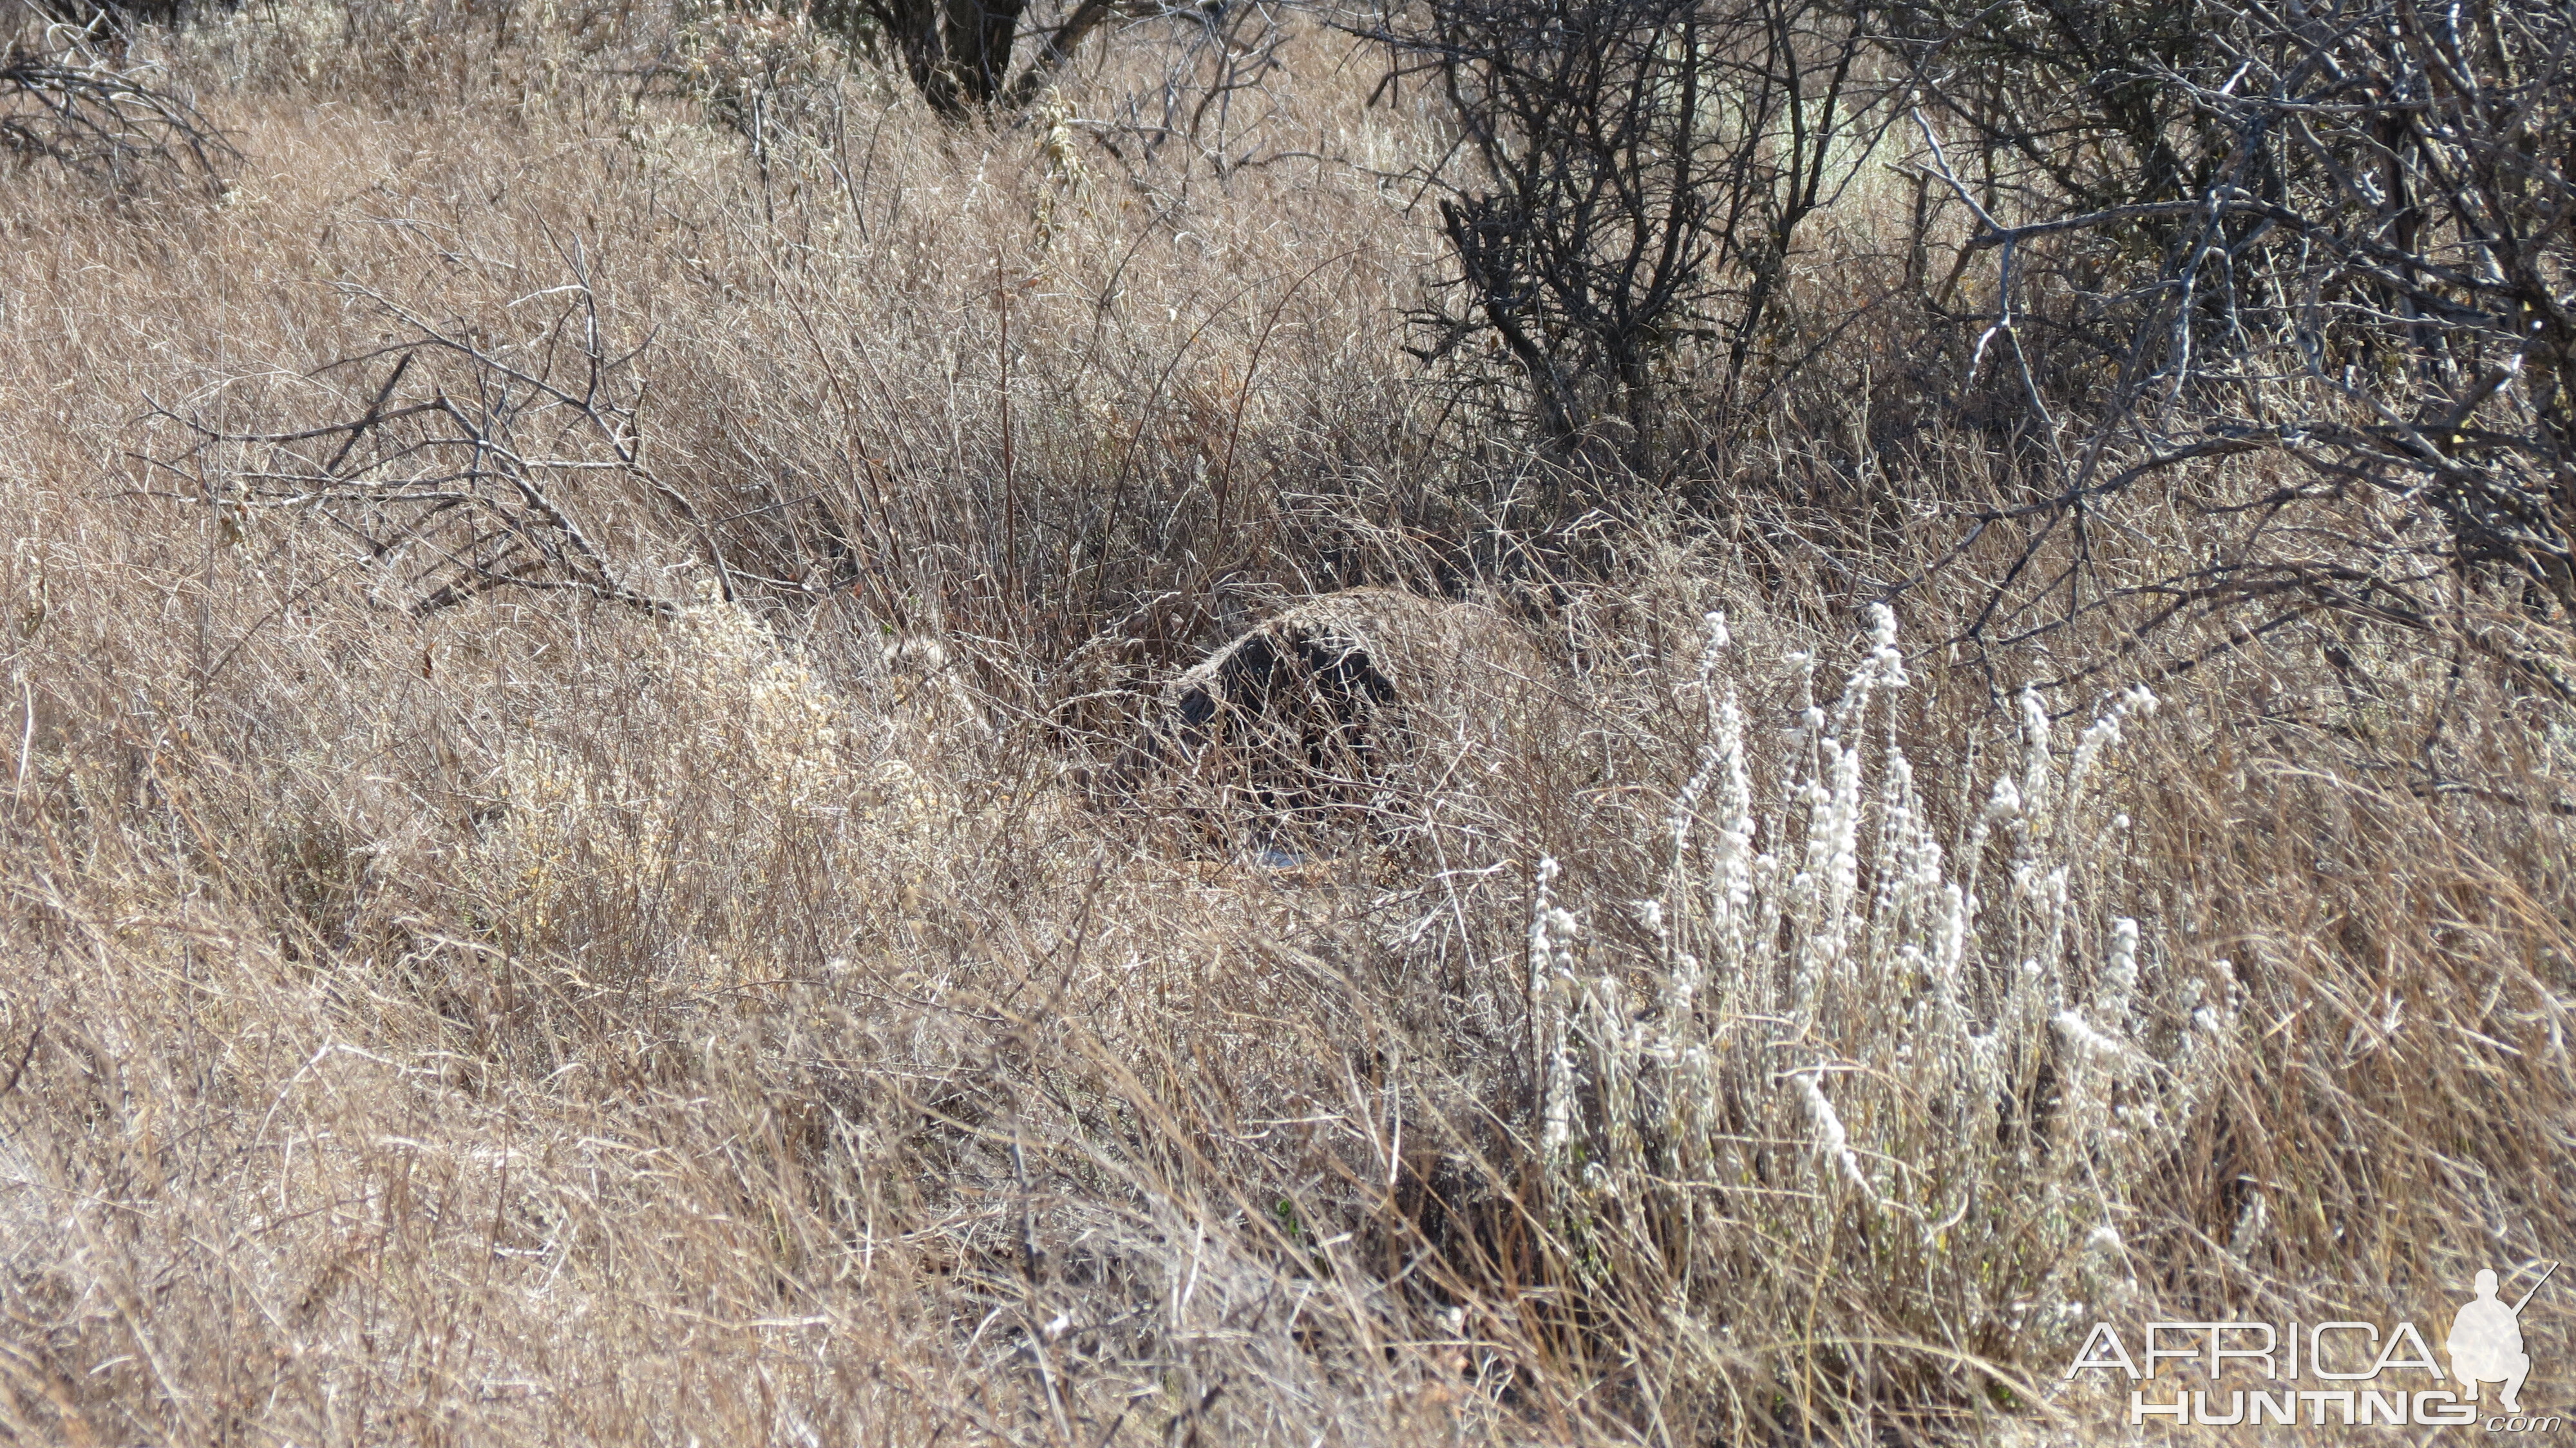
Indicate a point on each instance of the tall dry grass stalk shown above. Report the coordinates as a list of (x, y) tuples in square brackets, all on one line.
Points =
[(545, 1018)]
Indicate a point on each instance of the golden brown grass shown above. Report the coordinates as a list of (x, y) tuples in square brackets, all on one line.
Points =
[(539, 1021)]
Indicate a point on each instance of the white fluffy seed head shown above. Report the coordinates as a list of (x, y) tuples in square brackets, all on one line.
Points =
[(1832, 1142), (2005, 803), (2088, 1042)]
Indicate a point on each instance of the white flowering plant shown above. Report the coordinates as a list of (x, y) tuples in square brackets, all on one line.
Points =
[(1876, 1025)]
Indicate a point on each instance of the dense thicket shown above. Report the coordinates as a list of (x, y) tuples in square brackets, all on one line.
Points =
[(2336, 237)]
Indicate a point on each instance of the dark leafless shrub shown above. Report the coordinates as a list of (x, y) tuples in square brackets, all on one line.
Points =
[(2368, 289), (76, 108), (960, 53), (114, 21), (2063, 104), (1215, 58), (476, 464), (1633, 177)]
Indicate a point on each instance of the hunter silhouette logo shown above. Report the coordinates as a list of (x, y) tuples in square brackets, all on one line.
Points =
[(2486, 1341), (2344, 1374)]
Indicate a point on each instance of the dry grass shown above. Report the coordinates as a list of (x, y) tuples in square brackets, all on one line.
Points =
[(546, 1019)]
